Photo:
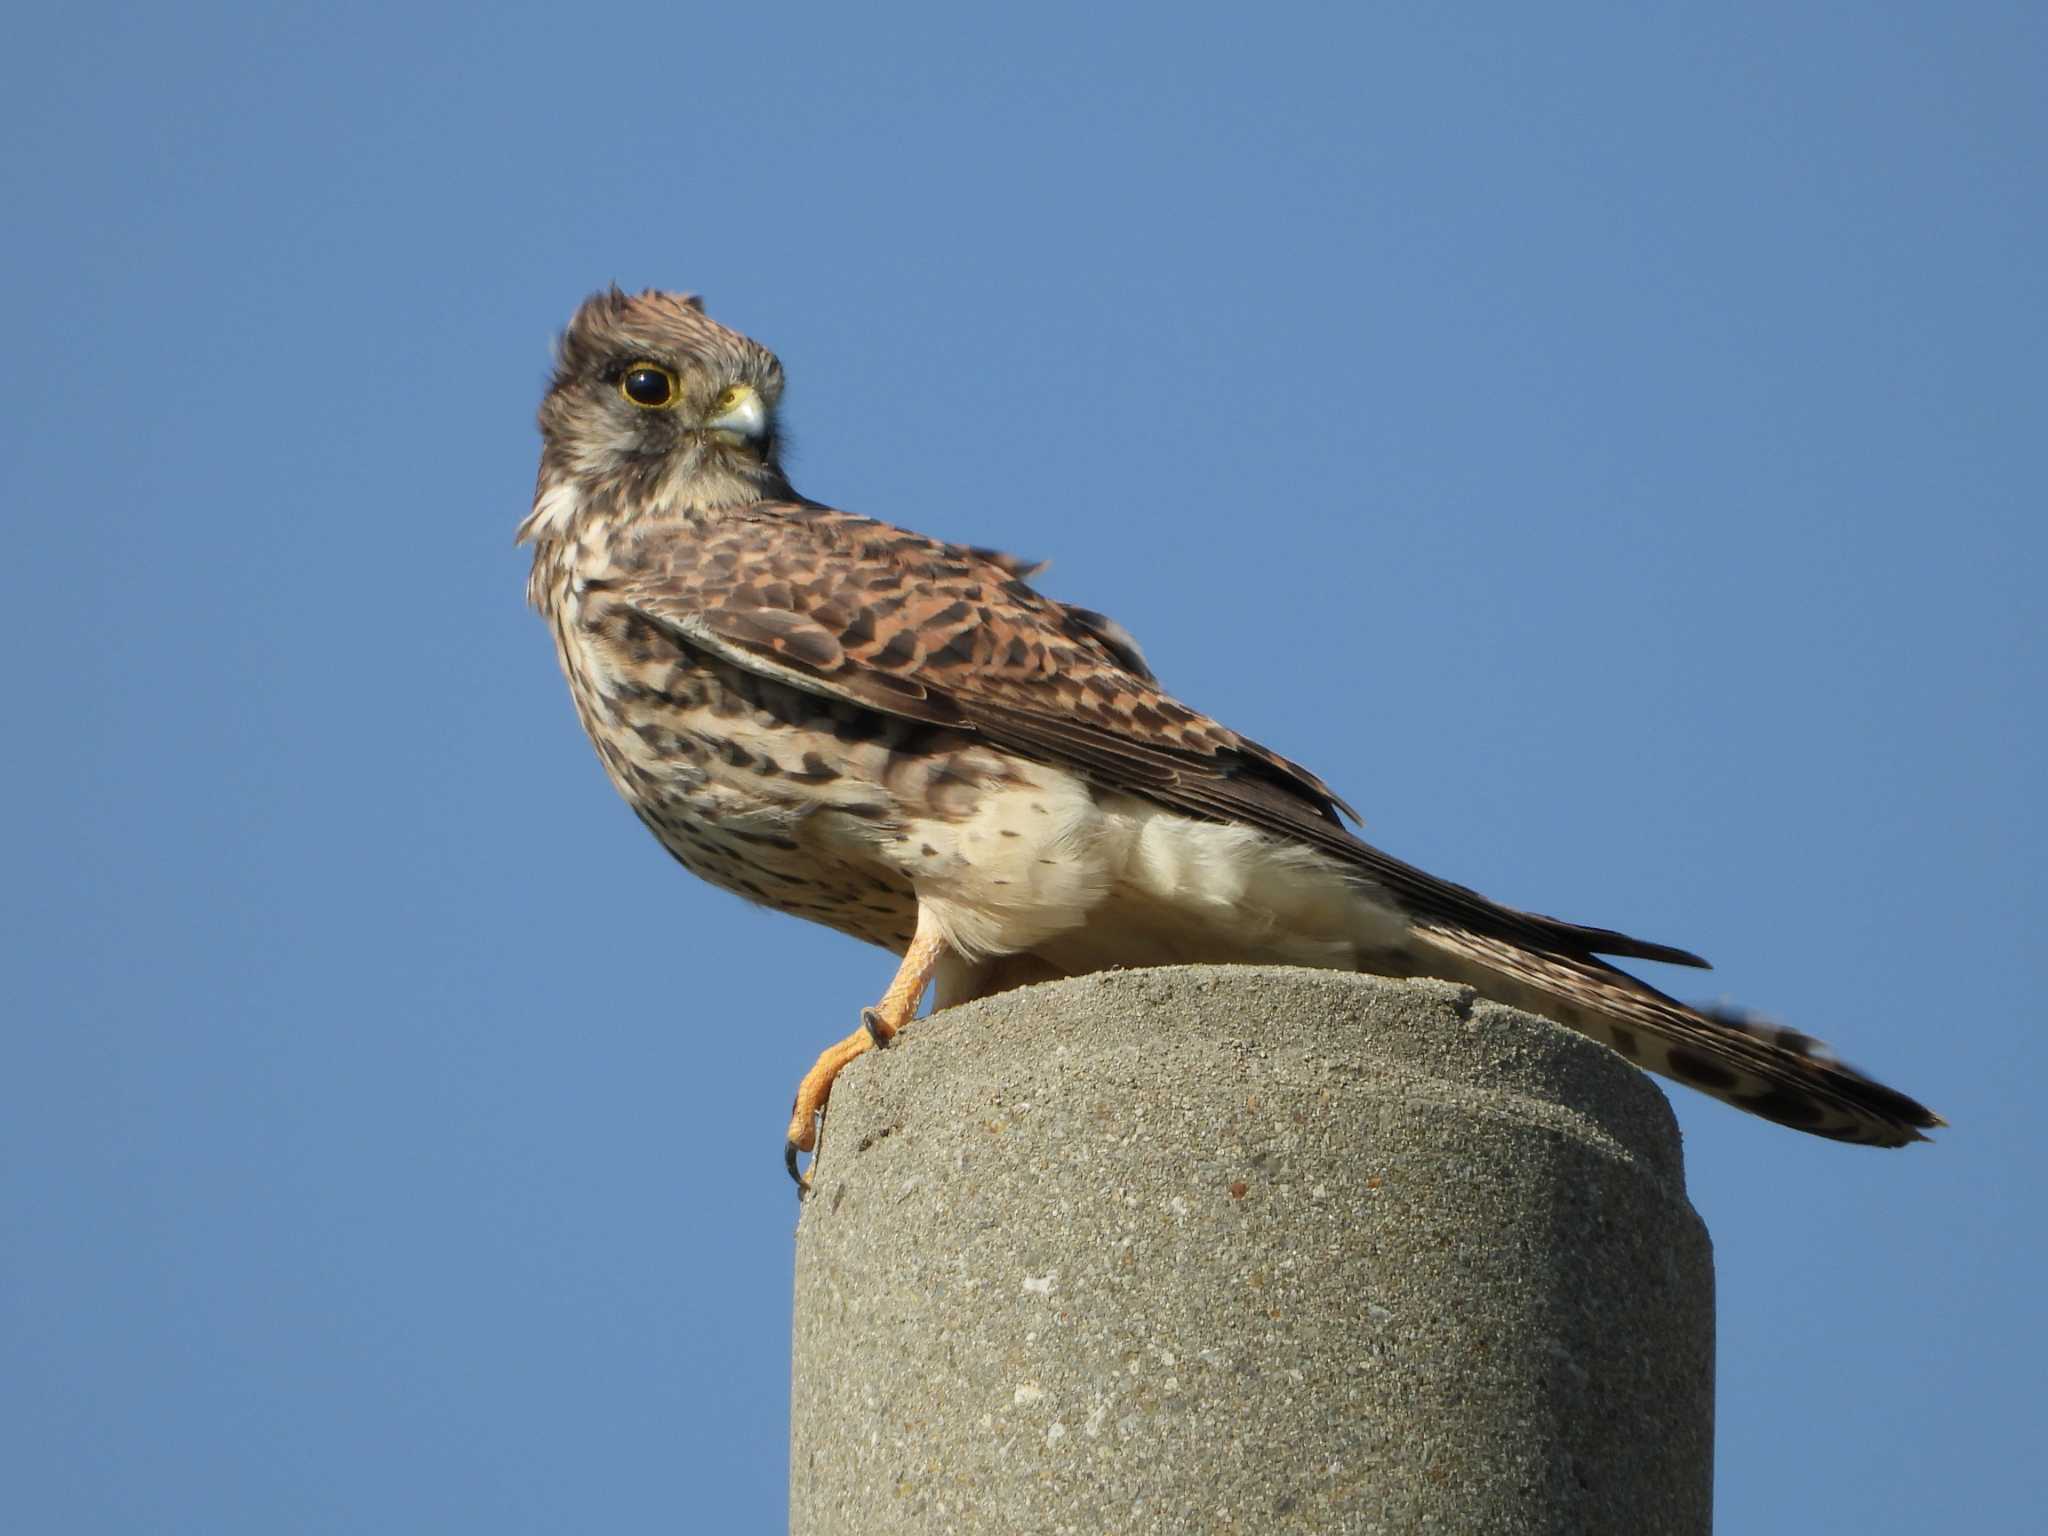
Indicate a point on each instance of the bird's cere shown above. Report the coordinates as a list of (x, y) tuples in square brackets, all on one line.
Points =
[(740, 416)]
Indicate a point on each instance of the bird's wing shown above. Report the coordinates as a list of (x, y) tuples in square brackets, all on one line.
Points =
[(861, 611)]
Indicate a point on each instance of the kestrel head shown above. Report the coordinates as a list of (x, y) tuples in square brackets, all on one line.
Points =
[(654, 405)]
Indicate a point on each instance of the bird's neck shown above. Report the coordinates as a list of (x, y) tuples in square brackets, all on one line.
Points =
[(567, 505)]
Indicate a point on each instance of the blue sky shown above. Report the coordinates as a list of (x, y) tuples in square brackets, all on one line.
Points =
[(1606, 441)]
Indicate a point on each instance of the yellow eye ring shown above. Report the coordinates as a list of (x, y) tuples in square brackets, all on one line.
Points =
[(649, 386)]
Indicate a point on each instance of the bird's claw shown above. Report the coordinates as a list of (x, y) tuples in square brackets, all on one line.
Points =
[(792, 1149), (878, 1031), (807, 1114)]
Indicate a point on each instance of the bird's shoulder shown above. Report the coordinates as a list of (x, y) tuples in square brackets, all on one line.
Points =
[(892, 597), (939, 631)]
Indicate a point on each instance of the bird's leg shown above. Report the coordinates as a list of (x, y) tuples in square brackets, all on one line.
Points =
[(878, 1026)]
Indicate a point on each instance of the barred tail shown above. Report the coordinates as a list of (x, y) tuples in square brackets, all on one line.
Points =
[(1740, 1059)]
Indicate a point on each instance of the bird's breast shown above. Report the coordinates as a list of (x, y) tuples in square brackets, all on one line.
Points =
[(776, 794)]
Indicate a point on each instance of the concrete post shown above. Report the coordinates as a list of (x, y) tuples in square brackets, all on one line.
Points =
[(1226, 1249)]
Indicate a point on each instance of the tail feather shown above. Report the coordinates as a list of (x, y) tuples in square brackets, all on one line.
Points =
[(1605, 941), (1739, 1058)]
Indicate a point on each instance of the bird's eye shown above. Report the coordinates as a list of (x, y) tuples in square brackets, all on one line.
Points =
[(649, 385)]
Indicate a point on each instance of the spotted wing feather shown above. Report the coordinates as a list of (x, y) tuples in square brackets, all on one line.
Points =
[(872, 614)]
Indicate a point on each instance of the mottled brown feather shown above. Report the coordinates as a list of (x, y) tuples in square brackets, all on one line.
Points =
[(877, 615), (1761, 1067), (744, 658)]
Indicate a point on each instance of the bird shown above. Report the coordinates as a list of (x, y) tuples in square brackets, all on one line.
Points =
[(903, 739)]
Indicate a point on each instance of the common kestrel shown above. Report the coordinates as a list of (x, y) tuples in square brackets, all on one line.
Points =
[(903, 739)]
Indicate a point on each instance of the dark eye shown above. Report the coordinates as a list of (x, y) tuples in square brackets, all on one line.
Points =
[(648, 384)]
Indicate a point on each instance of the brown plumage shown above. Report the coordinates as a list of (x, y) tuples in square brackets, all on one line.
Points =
[(903, 739)]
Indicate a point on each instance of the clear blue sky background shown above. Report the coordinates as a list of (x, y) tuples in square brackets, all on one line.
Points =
[(1606, 440)]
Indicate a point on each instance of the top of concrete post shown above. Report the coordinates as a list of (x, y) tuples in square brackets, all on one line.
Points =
[(1235, 1248)]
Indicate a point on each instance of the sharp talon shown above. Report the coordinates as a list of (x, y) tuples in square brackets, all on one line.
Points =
[(871, 1021), (807, 1114), (802, 1138)]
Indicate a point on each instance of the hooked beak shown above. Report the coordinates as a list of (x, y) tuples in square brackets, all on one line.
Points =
[(741, 417)]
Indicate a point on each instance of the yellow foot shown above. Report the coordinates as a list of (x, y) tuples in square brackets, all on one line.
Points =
[(878, 1026), (807, 1114)]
